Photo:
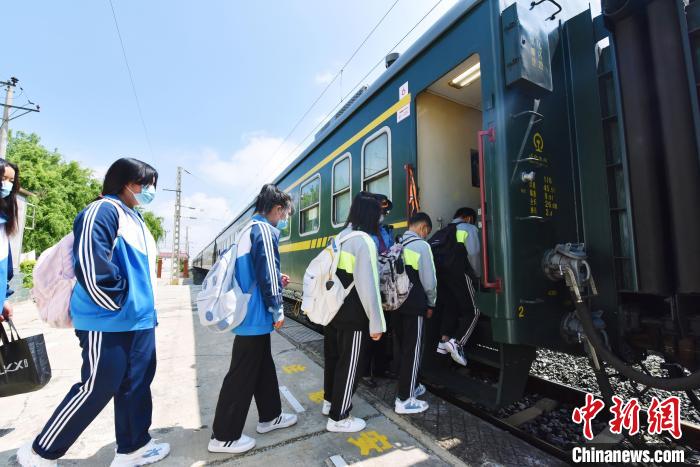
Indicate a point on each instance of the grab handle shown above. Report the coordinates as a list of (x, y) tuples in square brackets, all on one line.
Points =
[(491, 133)]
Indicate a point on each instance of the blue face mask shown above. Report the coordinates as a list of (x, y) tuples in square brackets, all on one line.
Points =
[(148, 192), (282, 224), (6, 189)]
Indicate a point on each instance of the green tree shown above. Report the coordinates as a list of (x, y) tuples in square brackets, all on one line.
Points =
[(154, 224), (61, 189)]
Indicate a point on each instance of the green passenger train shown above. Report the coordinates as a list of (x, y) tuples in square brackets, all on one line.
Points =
[(532, 112)]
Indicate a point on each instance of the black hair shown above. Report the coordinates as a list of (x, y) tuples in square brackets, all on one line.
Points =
[(8, 206), (384, 202), (465, 212), (364, 213), (269, 197), (421, 218), (128, 170)]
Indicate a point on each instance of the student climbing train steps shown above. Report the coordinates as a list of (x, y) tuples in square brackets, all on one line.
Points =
[(408, 319), (456, 249)]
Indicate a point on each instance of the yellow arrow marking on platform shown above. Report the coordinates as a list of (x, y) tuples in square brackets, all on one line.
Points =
[(316, 396), (371, 441), (289, 369)]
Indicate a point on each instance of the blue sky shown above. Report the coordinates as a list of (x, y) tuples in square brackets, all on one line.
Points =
[(221, 84)]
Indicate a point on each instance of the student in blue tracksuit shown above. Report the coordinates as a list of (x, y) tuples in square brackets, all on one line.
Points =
[(252, 371), (8, 223), (113, 311), (378, 351)]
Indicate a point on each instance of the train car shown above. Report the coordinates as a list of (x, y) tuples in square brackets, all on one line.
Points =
[(564, 131)]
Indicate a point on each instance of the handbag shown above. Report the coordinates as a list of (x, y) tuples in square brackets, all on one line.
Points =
[(24, 363)]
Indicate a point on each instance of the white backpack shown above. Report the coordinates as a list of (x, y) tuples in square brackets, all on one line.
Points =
[(221, 304), (394, 284), (323, 293), (54, 280)]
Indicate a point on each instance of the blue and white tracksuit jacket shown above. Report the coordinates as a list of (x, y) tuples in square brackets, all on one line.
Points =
[(6, 268), (115, 257), (258, 273), (113, 311)]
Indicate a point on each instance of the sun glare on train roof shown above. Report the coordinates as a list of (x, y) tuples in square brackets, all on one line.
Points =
[(467, 77)]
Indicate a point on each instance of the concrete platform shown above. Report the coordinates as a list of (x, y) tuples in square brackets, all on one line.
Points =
[(444, 428), (191, 365)]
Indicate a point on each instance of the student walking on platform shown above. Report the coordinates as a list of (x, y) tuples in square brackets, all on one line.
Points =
[(408, 319), (378, 352), (8, 226), (359, 319), (252, 371), (113, 311)]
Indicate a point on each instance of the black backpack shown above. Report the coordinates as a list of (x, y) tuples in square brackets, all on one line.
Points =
[(447, 256)]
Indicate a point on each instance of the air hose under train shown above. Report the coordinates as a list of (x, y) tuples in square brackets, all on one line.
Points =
[(568, 262)]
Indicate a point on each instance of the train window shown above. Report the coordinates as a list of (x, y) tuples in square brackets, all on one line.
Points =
[(287, 231), (342, 191), (310, 206), (376, 166)]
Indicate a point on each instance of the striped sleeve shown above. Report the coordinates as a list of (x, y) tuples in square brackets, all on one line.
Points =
[(265, 255), (95, 230)]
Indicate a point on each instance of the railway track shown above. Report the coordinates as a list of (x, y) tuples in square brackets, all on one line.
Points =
[(543, 397)]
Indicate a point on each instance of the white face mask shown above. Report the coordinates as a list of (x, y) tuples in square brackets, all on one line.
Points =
[(381, 218)]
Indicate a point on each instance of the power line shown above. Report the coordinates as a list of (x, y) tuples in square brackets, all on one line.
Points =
[(339, 74), (131, 79), (352, 90), (330, 83)]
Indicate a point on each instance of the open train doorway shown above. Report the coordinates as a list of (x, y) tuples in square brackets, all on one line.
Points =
[(449, 117)]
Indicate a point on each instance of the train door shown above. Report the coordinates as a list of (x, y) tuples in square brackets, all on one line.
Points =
[(449, 116)]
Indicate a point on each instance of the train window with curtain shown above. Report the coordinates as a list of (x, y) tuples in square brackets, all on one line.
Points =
[(376, 165), (310, 206), (341, 189)]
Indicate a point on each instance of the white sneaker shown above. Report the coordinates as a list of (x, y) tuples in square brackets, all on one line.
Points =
[(347, 425), (409, 406), (441, 348), (242, 444), (283, 421), (456, 352), (419, 390), (149, 454), (326, 409), (28, 458)]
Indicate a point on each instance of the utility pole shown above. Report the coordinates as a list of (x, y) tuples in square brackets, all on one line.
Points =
[(187, 241), (176, 229), (6, 117), (4, 129)]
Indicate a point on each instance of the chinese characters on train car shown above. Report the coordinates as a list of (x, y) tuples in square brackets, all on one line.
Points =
[(549, 205)]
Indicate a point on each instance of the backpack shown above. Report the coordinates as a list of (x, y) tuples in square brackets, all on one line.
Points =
[(54, 280), (394, 283), (444, 246), (221, 304), (323, 293)]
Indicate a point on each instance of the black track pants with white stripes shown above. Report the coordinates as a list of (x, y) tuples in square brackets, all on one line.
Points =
[(457, 298), (118, 365), (408, 328), (344, 353), (252, 373)]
